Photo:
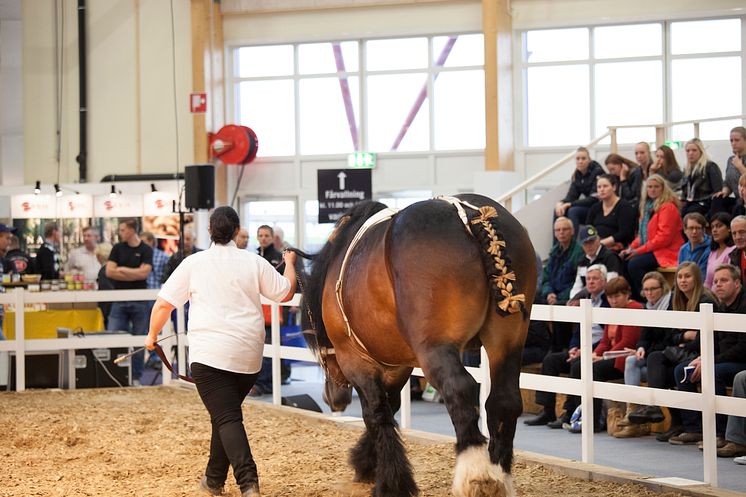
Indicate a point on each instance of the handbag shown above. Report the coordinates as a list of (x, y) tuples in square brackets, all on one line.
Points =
[(676, 354)]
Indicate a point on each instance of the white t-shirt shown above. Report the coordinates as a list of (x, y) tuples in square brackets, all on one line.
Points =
[(226, 324)]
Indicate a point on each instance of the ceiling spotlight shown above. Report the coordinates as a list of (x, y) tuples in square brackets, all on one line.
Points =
[(57, 191), (153, 189), (113, 192), (37, 188)]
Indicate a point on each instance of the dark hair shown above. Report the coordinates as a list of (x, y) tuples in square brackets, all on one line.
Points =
[(618, 159), (49, 229), (618, 285), (669, 161), (266, 227), (697, 218), (130, 222), (223, 224), (724, 218), (611, 178)]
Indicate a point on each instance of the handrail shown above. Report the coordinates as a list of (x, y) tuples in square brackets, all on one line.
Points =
[(678, 123)]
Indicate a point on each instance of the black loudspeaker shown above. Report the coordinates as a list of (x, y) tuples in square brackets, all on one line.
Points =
[(43, 370), (199, 186), (302, 401), (95, 368)]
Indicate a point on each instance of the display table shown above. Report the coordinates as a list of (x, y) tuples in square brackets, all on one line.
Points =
[(44, 324)]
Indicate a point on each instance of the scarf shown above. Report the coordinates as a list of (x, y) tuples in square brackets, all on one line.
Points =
[(644, 220)]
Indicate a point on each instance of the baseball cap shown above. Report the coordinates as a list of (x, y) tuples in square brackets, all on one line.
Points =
[(587, 234), (6, 229)]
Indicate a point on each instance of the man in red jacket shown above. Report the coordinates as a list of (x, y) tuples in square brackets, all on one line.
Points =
[(618, 342)]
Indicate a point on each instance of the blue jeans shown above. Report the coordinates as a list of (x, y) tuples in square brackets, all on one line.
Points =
[(577, 215), (634, 370), (132, 317), (724, 374)]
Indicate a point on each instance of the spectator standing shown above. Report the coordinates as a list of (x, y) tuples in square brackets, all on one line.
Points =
[(557, 363), (702, 179), (160, 259), (697, 248), (721, 246), (730, 357), (103, 251), (582, 192), (738, 255), (189, 249), (17, 261), (265, 236), (48, 256), (666, 165), (83, 259), (128, 267), (630, 184), (595, 253), (278, 239), (613, 218), (242, 239), (735, 168), (5, 234), (659, 234)]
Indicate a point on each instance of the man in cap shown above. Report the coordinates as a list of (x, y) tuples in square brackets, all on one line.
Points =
[(595, 253)]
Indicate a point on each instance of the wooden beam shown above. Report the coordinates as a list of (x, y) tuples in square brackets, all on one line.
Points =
[(498, 92)]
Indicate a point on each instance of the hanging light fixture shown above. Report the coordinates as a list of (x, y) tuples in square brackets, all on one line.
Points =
[(37, 188), (57, 190), (153, 189), (113, 192)]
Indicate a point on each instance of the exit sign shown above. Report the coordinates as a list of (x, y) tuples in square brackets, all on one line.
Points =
[(674, 145), (361, 160)]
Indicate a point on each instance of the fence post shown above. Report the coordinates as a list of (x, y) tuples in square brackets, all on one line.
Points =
[(20, 304), (405, 408), (276, 359), (707, 383), (586, 377)]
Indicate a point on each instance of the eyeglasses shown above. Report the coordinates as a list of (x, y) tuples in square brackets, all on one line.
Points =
[(651, 289), (695, 228)]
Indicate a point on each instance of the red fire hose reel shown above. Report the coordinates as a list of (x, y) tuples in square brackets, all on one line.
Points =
[(234, 144)]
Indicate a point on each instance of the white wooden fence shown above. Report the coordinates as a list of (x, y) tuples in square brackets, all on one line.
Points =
[(705, 320)]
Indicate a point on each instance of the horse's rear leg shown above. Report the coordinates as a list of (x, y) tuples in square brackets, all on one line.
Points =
[(380, 448), (475, 475)]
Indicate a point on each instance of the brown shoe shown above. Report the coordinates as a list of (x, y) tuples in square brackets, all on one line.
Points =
[(720, 442), (205, 487), (686, 438), (732, 449), (633, 431)]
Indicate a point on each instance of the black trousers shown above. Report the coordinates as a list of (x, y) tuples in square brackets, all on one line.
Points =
[(660, 375), (554, 364), (223, 392)]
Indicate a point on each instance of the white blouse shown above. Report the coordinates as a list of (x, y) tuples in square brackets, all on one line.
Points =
[(223, 285)]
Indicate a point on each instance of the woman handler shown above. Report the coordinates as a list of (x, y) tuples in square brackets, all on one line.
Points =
[(226, 338)]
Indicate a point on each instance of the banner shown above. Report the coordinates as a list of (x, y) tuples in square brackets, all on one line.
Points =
[(75, 206), (159, 204), (123, 205), (33, 206)]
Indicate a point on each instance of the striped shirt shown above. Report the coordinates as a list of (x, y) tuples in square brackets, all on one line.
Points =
[(160, 259)]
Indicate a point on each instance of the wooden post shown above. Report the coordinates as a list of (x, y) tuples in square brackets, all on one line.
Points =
[(498, 90), (660, 136), (614, 143), (696, 130)]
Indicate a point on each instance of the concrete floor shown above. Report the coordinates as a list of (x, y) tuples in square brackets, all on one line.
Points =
[(641, 455)]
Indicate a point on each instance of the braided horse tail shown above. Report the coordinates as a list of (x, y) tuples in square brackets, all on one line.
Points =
[(485, 227)]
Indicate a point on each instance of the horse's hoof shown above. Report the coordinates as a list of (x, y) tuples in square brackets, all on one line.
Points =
[(476, 476)]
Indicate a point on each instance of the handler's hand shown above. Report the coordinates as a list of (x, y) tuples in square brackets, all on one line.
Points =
[(150, 343), (289, 258)]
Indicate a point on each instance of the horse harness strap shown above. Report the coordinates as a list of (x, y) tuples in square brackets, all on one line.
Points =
[(377, 218)]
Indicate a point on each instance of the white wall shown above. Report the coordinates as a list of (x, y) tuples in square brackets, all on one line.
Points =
[(11, 94), (130, 91)]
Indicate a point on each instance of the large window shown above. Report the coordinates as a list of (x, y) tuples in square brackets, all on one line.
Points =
[(579, 81), (405, 94)]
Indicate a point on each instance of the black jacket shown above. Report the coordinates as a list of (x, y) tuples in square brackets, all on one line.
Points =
[(731, 346), (701, 187), (47, 262), (584, 185)]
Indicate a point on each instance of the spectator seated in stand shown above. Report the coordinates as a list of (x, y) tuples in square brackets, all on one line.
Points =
[(557, 363), (735, 431), (721, 245), (613, 218), (697, 248), (734, 171), (630, 182), (659, 234), (582, 193), (657, 295), (680, 346), (730, 358), (616, 339), (702, 179), (640, 174), (739, 209), (665, 164), (738, 255), (595, 253)]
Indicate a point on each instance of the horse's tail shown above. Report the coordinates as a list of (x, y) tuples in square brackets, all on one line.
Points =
[(485, 227)]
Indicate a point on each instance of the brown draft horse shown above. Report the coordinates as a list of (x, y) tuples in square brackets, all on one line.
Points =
[(417, 291)]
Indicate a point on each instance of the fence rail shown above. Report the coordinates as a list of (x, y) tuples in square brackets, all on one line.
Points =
[(585, 315)]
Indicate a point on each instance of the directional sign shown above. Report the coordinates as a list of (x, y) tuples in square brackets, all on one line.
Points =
[(340, 189)]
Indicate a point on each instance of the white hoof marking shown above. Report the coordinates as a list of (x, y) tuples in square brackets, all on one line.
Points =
[(476, 476)]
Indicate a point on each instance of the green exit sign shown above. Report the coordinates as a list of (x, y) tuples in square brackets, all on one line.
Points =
[(674, 145), (361, 160)]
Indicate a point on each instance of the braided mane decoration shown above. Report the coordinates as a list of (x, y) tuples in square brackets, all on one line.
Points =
[(498, 268)]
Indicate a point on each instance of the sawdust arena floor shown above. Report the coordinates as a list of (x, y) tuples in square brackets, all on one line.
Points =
[(155, 442)]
